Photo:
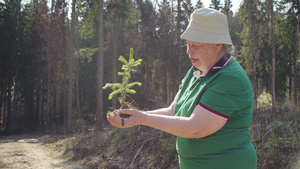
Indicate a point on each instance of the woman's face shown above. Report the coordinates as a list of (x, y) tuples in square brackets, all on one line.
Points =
[(203, 56)]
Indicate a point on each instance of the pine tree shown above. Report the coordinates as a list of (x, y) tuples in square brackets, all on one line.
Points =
[(199, 4), (99, 110), (216, 4), (70, 91), (227, 8)]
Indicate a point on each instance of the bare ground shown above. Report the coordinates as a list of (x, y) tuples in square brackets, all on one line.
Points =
[(29, 152), (113, 149), (296, 164)]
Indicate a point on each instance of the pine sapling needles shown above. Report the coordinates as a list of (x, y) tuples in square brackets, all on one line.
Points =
[(124, 88)]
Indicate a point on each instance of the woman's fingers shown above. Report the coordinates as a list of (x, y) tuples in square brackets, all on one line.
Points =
[(125, 118), (115, 120)]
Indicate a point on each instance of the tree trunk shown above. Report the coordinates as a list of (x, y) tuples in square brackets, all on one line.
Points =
[(43, 103), (63, 87), (114, 62), (178, 21), (295, 60), (54, 110), (62, 105), (31, 112), (290, 87), (99, 110), (2, 122), (63, 100), (165, 87), (178, 51), (49, 67), (48, 115), (77, 72), (5, 116), (10, 115), (1, 116), (273, 58), (37, 106), (77, 90), (254, 81), (147, 62), (69, 113), (16, 79), (15, 101)]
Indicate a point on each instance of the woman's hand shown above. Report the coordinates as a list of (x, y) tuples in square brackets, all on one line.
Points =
[(115, 119), (135, 118)]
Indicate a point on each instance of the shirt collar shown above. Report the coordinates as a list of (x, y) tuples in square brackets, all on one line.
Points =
[(218, 66)]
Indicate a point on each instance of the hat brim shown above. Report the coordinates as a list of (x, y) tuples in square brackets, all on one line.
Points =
[(201, 36)]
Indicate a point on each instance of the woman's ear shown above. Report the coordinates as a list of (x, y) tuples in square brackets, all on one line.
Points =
[(220, 47)]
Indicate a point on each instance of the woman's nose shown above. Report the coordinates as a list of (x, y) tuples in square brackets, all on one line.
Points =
[(189, 51)]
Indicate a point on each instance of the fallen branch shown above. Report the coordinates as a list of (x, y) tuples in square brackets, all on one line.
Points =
[(138, 151)]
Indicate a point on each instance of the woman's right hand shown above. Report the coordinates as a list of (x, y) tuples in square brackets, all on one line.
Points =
[(135, 118)]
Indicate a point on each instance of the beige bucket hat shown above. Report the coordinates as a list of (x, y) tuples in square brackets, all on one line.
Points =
[(208, 26)]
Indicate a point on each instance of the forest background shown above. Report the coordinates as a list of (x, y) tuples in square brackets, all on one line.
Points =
[(53, 65)]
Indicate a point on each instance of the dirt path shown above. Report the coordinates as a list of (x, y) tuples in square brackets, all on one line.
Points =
[(296, 165), (25, 152)]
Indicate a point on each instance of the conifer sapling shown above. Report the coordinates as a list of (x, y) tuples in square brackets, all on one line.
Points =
[(124, 87)]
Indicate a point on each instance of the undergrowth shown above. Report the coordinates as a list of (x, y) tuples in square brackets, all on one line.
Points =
[(137, 147), (275, 136)]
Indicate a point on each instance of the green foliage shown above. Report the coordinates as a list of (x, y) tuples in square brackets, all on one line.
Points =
[(119, 136), (216, 4), (199, 4), (125, 87), (264, 100), (133, 17), (285, 51), (86, 25), (275, 136), (169, 147), (272, 141), (85, 55)]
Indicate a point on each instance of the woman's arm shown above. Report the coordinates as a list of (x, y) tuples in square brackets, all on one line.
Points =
[(168, 111), (117, 121), (200, 124)]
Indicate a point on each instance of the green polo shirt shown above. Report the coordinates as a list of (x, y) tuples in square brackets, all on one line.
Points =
[(225, 91)]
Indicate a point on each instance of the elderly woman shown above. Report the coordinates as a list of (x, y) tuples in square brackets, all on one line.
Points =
[(212, 110)]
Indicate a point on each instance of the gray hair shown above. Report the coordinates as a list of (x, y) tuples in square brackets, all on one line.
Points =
[(227, 48)]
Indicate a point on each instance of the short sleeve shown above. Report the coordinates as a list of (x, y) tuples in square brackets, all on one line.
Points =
[(226, 95)]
